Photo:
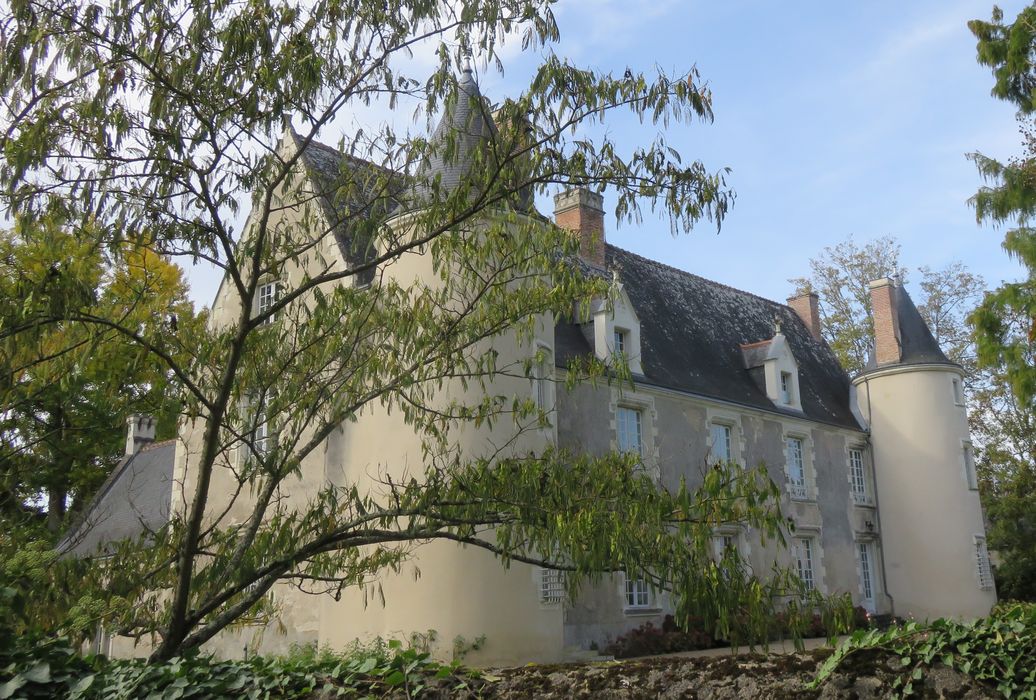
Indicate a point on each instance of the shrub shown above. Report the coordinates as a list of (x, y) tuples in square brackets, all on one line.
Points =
[(51, 668), (648, 639), (997, 650)]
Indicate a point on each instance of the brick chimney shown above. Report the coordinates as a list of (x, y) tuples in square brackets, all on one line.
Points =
[(141, 431), (582, 212), (886, 321), (807, 306)]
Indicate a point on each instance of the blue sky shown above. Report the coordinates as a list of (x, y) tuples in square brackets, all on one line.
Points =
[(835, 119)]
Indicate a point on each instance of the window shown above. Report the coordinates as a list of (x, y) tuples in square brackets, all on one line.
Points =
[(787, 388), (552, 586), (722, 543), (858, 478), (721, 451), (628, 423), (804, 556), (264, 435), (867, 571), (796, 469), (269, 293), (958, 393), (542, 380), (619, 342), (638, 594), (985, 572), (969, 466)]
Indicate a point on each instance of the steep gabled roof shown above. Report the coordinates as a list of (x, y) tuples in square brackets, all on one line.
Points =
[(375, 192), (133, 500), (692, 333)]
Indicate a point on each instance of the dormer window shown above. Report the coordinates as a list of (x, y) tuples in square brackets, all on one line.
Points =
[(787, 390), (620, 341), (267, 295)]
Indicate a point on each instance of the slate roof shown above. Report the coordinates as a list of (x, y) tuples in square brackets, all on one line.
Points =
[(378, 192), (692, 331), (917, 345), (134, 499)]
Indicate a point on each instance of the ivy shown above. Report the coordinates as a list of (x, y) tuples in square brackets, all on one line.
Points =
[(52, 668), (999, 650)]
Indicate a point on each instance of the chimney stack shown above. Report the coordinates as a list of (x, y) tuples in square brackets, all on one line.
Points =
[(807, 306), (581, 211), (886, 321), (141, 431)]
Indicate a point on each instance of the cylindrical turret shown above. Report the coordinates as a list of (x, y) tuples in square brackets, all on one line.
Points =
[(933, 534)]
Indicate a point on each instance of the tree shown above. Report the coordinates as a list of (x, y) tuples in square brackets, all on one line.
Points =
[(1010, 196), (1005, 431), (841, 277), (68, 388), (165, 117)]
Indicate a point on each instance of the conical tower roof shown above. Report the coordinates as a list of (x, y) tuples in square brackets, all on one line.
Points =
[(467, 119)]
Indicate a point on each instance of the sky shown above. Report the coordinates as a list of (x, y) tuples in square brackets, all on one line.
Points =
[(835, 119)]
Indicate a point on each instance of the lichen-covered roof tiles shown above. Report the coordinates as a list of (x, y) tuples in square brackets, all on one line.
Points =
[(692, 332)]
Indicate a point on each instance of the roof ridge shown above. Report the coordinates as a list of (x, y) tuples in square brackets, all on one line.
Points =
[(703, 279), (160, 443)]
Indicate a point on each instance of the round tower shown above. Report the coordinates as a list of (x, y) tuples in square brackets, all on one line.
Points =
[(911, 397)]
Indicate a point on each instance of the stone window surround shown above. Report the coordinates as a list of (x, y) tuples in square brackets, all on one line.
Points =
[(648, 427), (654, 604), (731, 419), (875, 572), (967, 465), (808, 463), (868, 477), (819, 570)]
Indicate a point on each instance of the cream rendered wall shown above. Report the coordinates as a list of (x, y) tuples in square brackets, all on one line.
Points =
[(929, 515), (455, 591)]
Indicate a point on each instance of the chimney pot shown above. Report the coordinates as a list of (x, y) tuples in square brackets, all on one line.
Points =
[(806, 306), (886, 321), (141, 431), (581, 211)]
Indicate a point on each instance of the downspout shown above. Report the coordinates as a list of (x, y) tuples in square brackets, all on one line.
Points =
[(877, 502)]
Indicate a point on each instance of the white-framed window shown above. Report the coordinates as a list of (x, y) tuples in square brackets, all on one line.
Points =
[(721, 449), (787, 388), (982, 567), (619, 341), (866, 552), (795, 455), (552, 586), (723, 542), (542, 379), (629, 426), (637, 593), (804, 552), (968, 455), (958, 392), (264, 431), (858, 478), (267, 295)]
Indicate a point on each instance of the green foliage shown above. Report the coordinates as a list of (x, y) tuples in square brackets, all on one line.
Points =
[(167, 118), (1008, 48), (51, 668), (68, 387), (997, 650)]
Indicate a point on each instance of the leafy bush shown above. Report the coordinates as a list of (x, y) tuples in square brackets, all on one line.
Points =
[(999, 650), (648, 639), (52, 668)]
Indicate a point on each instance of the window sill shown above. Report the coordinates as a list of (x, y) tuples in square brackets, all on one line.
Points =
[(639, 611), (863, 502)]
